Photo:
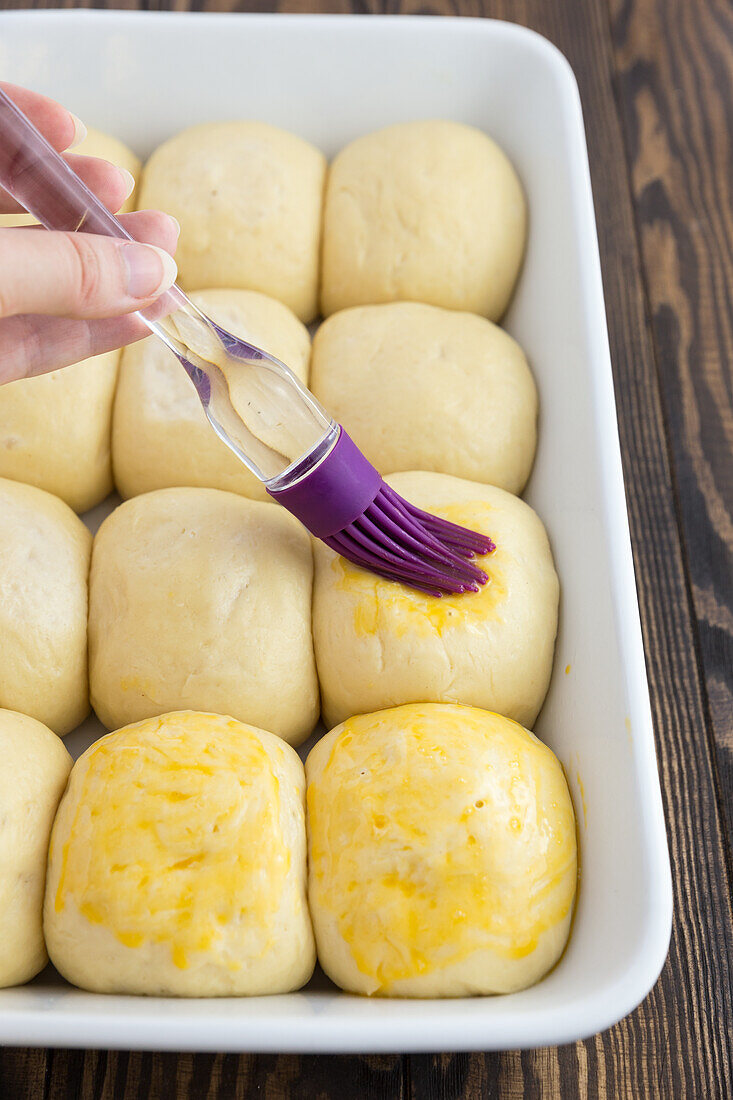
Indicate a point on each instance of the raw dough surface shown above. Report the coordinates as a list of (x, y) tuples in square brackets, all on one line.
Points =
[(55, 430), (248, 197), (44, 565), (424, 212), (422, 388), (201, 599), (35, 767)]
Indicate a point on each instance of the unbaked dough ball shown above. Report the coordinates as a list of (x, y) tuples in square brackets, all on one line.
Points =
[(95, 144), (177, 863), (425, 212), (160, 434), (35, 767), (201, 599), (379, 644), (442, 853), (44, 564), (422, 388), (55, 430), (248, 197)]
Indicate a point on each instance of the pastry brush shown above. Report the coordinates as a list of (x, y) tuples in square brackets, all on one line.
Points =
[(304, 458)]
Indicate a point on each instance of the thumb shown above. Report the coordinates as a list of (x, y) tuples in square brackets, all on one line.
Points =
[(79, 274)]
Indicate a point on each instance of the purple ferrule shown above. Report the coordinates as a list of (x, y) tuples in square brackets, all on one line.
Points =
[(339, 490)]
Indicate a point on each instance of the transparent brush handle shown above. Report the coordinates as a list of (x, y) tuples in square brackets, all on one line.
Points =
[(255, 403)]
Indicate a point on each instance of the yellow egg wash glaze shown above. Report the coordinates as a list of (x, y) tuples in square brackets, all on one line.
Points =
[(411, 612), (437, 831), (176, 835)]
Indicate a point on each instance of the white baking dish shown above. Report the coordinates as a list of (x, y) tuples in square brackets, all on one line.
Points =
[(145, 76)]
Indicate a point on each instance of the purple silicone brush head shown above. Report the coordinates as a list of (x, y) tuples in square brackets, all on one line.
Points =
[(344, 502)]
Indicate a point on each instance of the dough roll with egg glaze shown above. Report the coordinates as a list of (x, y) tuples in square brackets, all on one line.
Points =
[(44, 566), (379, 644), (201, 599), (430, 211), (177, 863), (35, 767), (441, 851)]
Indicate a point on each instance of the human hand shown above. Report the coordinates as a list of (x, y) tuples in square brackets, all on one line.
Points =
[(67, 296)]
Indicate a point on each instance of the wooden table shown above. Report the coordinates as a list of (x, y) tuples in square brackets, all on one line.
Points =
[(656, 78)]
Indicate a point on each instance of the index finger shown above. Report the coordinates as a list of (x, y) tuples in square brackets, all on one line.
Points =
[(62, 129), (59, 127)]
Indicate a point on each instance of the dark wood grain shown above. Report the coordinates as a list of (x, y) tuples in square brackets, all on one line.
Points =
[(115, 1075), (656, 79), (675, 77)]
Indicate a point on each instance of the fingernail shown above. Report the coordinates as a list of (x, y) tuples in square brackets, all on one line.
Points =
[(130, 182), (176, 223), (80, 132), (150, 270)]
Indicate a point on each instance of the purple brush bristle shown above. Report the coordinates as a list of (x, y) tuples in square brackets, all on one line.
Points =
[(345, 502), (398, 541)]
